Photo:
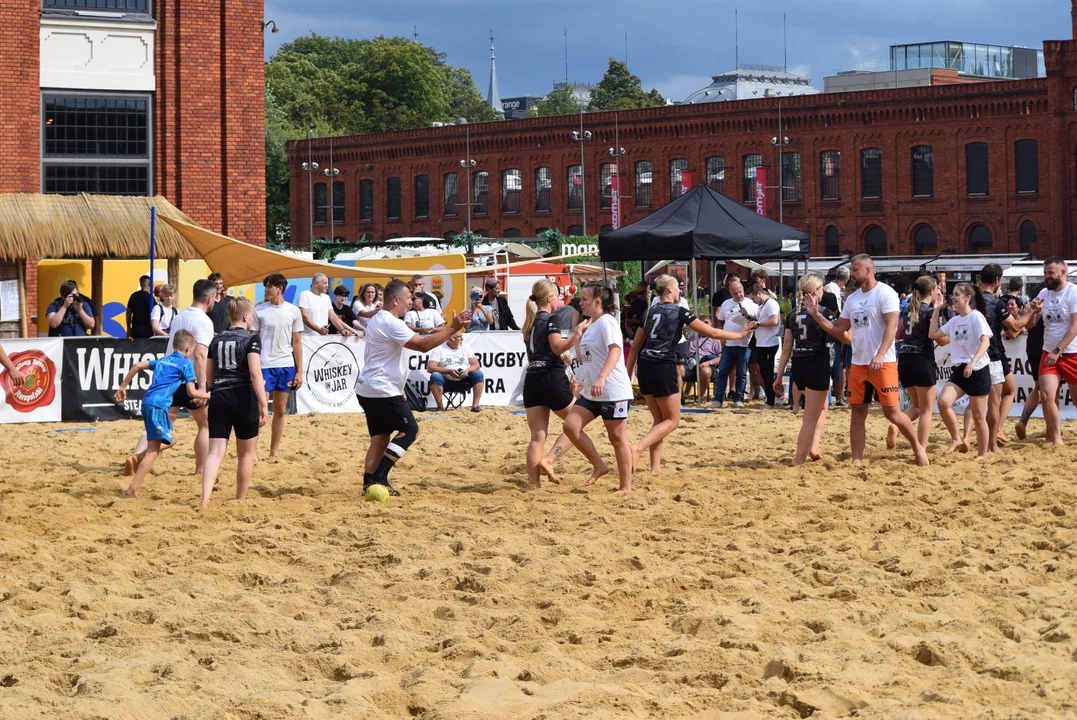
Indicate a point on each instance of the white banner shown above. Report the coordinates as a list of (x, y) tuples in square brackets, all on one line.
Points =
[(331, 367), (40, 360)]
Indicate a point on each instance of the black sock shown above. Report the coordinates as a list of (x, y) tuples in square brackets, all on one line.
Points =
[(368, 479), (381, 474)]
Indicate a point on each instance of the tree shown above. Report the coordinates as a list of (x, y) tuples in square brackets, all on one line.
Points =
[(621, 90), (562, 101)]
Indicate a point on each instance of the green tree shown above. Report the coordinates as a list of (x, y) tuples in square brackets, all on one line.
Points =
[(561, 101), (621, 90)]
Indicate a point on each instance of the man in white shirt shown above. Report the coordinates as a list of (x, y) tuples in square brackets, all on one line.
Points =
[(1057, 302), (418, 287), (195, 320), (872, 314), (422, 319), (281, 325), (380, 387), (842, 354), (316, 309), (737, 310), (455, 366), (767, 335)]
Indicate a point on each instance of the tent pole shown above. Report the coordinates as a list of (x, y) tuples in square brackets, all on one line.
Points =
[(97, 287), (699, 371), (781, 277), (153, 248)]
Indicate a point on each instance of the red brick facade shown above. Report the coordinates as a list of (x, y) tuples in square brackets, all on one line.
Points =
[(946, 118)]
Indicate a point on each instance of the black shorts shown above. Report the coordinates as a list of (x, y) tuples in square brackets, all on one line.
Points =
[(658, 379), (605, 410), (547, 388), (1034, 363), (233, 408), (385, 416), (181, 399), (1007, 366), (977, 385), (917, 370), (811, 373)]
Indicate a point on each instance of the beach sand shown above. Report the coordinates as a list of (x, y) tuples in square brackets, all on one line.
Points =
[(730, 586)]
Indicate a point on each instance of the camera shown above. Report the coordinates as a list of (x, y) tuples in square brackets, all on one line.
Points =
[(475, 297)]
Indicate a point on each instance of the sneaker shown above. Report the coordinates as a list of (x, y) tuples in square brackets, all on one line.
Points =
[(738, 404), (717, 404), (392, 490), (759, 394)]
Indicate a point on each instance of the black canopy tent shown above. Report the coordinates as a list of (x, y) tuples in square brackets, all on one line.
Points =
[(703, 224)]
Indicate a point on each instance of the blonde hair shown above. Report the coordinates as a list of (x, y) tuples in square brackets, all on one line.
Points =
[(810, 282), (182, 340), (167, 290), (924, 286), (237, 308), (544, 291), (663, 283)]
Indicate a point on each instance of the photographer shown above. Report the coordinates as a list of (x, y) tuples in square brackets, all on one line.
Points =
[(71, 314), (482, 316)]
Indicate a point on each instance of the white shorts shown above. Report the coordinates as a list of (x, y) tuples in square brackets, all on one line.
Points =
[(997, 377)]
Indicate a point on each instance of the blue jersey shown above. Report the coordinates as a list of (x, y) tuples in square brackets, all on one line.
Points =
[(168, 374)]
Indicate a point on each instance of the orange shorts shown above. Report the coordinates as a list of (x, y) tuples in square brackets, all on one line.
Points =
[(865, 383)]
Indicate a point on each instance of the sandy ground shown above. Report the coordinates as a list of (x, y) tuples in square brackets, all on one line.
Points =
[(730, 586)]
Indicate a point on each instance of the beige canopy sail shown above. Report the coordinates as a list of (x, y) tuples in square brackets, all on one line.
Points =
[(242, 263)]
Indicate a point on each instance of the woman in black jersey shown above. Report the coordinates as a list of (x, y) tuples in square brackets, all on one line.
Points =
[(655, 348), (809, 346), (546, 385), (917, 371), (238, 398)]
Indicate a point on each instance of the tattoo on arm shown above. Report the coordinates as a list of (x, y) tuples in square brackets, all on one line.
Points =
[(557, 452)]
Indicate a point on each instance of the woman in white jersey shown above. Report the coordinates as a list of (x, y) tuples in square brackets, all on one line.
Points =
[(607, 390), (968, 335), (366, 304)]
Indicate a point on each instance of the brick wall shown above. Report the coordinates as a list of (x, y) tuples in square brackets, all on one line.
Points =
[(20, 105)]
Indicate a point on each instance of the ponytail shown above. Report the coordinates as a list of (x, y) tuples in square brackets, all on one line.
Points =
[(544, 291), (924, 286), (975, 294)]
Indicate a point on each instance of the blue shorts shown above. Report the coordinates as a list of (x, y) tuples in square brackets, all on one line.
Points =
[(158, 423), (277, 379)]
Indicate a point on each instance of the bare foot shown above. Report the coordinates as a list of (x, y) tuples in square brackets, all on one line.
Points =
[(547, 469), (957, 446), (815, 455), (858, 463), (1019, 429), (921, 458), (204, 505), (622, 491), (130, 465), (1002, 439), (129, 492), (891, 437), (598, 472)]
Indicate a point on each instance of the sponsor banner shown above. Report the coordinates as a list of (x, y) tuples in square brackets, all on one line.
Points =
[(761, 190), (330, 368), (93, 369), (686, 181), (39, 399), (615, 200)]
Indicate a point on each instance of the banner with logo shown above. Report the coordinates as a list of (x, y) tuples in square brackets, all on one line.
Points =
[(39, 399), (686, 181), (615, 200), (761, 190), (93, 369)]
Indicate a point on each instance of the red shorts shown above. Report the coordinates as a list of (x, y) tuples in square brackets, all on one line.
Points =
[(863, 381), (1065, 367)]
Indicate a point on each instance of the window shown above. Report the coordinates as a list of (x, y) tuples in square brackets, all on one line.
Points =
[(393, 236), (643, 183), (422, 196), (392, 198), (125, 6), (575, 187), (875, 241), (716, 174), (510, 233), (511, 190), (543, 186), (96, 144), (321, 202), (791, 177), (751, 162), (338, 201), (871, 174), (605, 174), (422, 234), (925, 240), (482, 189), (976, 173), (979, 239), (1026, 157), (575, 231), (830, 174), (366, 199), (923, 171), (1028, 236), (452, 193), (831, 247), (676, 177)]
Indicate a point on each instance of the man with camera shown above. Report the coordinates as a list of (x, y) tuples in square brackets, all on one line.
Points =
[(71, 314)]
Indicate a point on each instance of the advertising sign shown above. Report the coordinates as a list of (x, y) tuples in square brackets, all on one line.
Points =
[(761, 190), (615, 200), (93, 369), (38, 399), (686, 181)]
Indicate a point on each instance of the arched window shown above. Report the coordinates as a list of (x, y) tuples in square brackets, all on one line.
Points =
[(392, 236), (923, 171), (875, 241), (422, 234), (541, 230), (925, 240), (751, 162), (791, 177), (832, 244), (481, 181), (976, 172), (392, 198), (422, 196), (510, 233), (716, 174), (830, 174), (643, 183), (1027, 234), (452, 194), (450, 236), (606, 228), (511, 190), (980, 240), (676, 175), (543, 185), (1027, 164), (871, 173), (575, 187), (366, 199), (575, 231), (605, 174), (321, 202)]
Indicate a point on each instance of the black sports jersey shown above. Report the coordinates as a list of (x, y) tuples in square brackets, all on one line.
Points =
[(228, 352), (664, 331), (915, 340), (1034, 339), (997, 313), (565, 315), (809, 340), (538, 345)]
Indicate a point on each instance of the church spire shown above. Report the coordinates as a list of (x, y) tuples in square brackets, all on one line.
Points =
[(493, 96)]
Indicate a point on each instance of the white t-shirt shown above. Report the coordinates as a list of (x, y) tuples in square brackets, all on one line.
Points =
[(595, 346), (832, 287), (1058, 305), (318, 308), (965, 333), (730, 314), (195, 321), (163, 315), (864, 311), (358, 307), (458, 359), (768, 336), (276, 323), (383, 373), (426, 319)]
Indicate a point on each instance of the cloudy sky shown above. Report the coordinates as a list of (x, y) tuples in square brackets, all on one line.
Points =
[(672, 46)]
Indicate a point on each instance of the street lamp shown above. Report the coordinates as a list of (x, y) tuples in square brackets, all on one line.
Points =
[(331, 172), (310, 167), (581, 137), (781, 144), (268, 23), (468, 164)]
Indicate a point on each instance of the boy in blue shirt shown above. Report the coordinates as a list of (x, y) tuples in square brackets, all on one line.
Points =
[(168, 374)]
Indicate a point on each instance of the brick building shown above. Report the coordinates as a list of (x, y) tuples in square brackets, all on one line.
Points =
[(137, 97), (982, 167)]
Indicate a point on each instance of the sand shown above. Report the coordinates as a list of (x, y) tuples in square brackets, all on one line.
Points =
[(730, 586)]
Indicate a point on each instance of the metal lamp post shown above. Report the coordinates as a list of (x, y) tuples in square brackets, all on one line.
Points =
[(581, 137), (310, 167), (468, 164), (331, 172)]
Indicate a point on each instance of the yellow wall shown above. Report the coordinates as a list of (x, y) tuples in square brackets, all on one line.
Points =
[(452, 287), (120, 280)]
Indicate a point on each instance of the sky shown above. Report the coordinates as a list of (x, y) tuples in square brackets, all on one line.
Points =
[(674, 48)]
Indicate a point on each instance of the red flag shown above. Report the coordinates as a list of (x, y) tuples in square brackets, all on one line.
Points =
[(615, 200), (686, 181), (761, 190)]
